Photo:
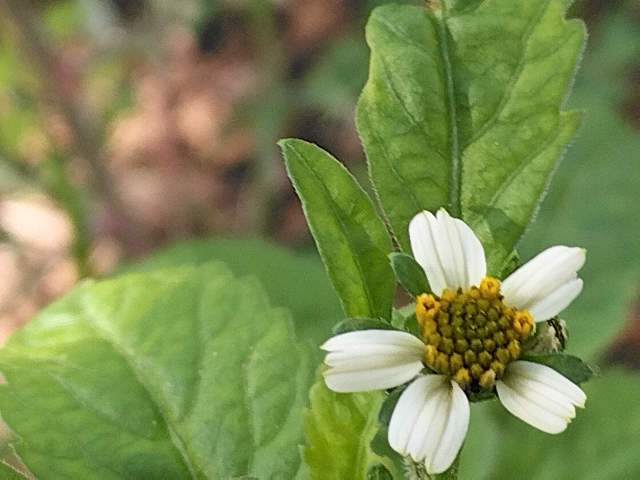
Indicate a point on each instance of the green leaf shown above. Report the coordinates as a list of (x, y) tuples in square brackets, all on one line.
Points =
[(169, 374), (296, 282), (362, 323), (380, 446), (574, 368), (388, 405), (461, 110), (378, 471), (352, 240), (409, 273), (339, 427)]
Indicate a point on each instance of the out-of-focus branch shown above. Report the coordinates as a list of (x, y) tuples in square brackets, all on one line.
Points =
[(271, 109), (37, 47)]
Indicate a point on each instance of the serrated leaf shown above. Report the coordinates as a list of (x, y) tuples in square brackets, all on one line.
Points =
[(175, 374), (388, 405), (593, 201), (573, 368), (361, 323), (296, 282), (339, 428), (461, 110), (409, 273), (352, 240)]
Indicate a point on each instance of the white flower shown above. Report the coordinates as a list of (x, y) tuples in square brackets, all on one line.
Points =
[(477, 348)]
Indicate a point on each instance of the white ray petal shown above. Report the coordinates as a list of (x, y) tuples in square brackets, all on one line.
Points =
[(474, 259), (429, 425), (409, 407), (450, 249), (372, 360), (371, 337), (526, 392), (557, 301), (379, 378), (372, 356), (430, 422), (518, 405), (542, 275), (544, 396), (454, 432), (424, 250), (541, 373)]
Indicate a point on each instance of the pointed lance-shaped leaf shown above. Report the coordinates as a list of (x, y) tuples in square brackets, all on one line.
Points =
[(409, 273), (352, 240)]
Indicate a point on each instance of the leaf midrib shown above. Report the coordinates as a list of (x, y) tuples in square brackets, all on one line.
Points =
[(455, 167), (338, 216), (154, 398)]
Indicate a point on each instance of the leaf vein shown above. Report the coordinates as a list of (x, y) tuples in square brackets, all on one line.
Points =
[(512, 82)]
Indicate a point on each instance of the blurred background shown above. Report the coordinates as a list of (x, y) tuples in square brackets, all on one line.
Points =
[(130, 125)]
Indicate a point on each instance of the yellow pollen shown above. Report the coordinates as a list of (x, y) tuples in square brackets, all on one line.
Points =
[(426, 308), (471, 336), (462, 377), (523, 322), (487, 379), (430, 327), (476, 370), (448, 295), (490, 288), (456, 362), (430, 354), (514, 349), (442, 362), (497, 367)]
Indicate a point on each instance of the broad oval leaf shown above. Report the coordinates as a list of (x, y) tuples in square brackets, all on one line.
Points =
[(175, 373), (461, 109), (350, 237)]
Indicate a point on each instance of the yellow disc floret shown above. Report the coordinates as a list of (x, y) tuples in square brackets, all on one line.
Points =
[(471, 336)]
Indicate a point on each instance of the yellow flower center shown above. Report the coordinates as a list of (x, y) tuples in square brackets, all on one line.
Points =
[(471, 336)]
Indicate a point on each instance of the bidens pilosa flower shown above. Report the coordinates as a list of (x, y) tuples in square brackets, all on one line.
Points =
[(472, 328)]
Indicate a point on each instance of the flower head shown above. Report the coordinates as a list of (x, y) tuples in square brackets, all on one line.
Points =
[(472, 327)]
